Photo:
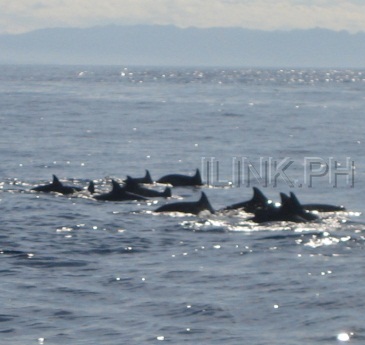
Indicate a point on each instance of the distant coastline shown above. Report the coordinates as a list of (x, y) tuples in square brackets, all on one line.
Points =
[(152, 45)]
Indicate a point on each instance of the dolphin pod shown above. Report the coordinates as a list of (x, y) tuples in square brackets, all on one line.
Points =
[(260, 201), (263, 209), (289, 210)]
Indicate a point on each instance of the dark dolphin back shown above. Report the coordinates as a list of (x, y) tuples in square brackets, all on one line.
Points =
[(194, 207), (147, 179), (323, 207), (258, 200), (178, 180), (132, 186), (118, 193), (48, 187), (56, 186)]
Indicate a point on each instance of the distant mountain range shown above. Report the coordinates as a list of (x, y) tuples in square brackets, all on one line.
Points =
[(153, 45)]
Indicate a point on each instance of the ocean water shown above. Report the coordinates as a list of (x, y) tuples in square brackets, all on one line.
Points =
[(78, 271)]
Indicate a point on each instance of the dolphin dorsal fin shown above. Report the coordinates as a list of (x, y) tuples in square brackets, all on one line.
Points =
[(91, 187), (148, 177), (258, 196), (298, 208), (285, 201), (205, 204), (203, 198), (295, 202), (116, 186), (56, 181), (130, 182), (167, 192), (198, 177)]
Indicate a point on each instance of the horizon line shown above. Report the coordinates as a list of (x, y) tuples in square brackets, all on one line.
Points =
[(283, 30)]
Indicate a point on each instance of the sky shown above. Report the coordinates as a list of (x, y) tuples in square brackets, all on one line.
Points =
[(19, 16)]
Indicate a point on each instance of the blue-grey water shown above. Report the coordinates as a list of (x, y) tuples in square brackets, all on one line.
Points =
[(79, 271)]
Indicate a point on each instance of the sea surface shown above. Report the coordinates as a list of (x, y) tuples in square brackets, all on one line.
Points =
[(79, 271)]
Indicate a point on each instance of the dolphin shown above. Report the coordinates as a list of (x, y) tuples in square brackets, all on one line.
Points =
[(323, 207), (290, 210), (147, 179), (133, 187), (258, 200), (194, 207), (57, 187), (118, 194), (178, 180)]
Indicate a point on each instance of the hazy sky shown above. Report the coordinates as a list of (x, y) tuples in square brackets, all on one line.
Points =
[(18, 16)]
